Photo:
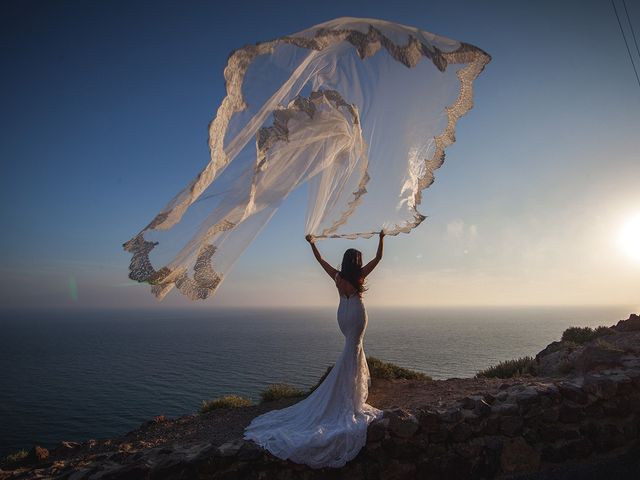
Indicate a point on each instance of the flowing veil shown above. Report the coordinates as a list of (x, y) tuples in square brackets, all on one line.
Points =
[(360, 110)]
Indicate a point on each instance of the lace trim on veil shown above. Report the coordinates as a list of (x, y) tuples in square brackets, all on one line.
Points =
[(205, 279)]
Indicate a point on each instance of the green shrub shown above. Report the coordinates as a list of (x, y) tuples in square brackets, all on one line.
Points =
[(280, 390), (227, 401), (510, 368), (15, 458), (380, 369), (581, 335)]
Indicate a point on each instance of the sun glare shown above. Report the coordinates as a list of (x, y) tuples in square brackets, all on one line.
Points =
[(629, 238)]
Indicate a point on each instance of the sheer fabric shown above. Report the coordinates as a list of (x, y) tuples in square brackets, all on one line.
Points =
[(329, 427), (360, 110)]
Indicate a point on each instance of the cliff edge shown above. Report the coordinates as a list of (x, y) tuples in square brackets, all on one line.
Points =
[(580, 413)]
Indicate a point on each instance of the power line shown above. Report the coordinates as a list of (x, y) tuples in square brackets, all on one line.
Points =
[(625, 42), (633, 32)]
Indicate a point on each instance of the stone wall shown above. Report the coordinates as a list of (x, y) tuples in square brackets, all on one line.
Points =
[(524, 427)]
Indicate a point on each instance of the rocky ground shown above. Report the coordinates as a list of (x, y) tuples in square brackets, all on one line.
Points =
[(527, 423)]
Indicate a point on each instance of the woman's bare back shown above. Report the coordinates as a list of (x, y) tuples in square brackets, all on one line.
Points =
[(345, 289)]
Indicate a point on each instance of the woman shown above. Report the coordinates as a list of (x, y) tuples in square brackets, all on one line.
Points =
[(329, 427)]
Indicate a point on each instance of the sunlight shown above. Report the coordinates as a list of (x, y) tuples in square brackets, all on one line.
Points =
[(629, 237)]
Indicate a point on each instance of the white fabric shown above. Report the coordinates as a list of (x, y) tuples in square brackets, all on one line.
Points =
[(329, 427), (359, 109)]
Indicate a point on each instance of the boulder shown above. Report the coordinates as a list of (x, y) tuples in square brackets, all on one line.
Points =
[(377, 429), (597, 356), (519, 457), (401, 423)]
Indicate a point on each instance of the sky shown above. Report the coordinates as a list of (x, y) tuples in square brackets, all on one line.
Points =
[(105, 109)]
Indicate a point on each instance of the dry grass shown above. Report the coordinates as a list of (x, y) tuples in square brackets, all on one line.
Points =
[(227, 401), (280, 390), (510, 368)]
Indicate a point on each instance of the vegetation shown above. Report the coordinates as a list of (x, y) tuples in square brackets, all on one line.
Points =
[(511, 368), (582, 335), (380, 369), (605, 345), (15, 458), (227, 401), (280, 390)]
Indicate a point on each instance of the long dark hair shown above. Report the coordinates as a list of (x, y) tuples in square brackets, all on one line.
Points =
[(352, 269)]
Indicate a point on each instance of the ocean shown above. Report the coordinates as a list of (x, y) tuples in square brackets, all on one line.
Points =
[(81, 375)]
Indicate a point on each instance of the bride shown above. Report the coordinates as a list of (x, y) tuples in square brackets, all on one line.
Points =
[(329, 427)]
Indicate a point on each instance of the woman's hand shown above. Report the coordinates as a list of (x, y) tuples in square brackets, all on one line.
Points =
[(309, 238)]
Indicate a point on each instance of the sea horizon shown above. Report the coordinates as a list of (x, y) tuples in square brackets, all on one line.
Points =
[(76, 375)]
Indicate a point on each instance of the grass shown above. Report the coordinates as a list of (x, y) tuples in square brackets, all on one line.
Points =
[(510, 368), (227, 401), (280, 390), (380, 369), (377, 369), (15, 458), (582, 335)]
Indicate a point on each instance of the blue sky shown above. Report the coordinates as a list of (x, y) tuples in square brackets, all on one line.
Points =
[(105, 112)]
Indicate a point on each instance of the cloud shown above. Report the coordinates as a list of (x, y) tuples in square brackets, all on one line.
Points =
[(459, 231), (455, 229)]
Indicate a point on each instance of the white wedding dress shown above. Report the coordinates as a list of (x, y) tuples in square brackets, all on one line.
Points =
[(329, 427)]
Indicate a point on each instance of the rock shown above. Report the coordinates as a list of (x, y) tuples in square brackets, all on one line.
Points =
[(554, 360), (461, 432), (429, 419), (399, 471), (159, 419), (489, 398), (599, 385), (551, 414), (549, 349), (249, 451), (527, 397), (608, 437), (37, 454), (632, 324), (469, 403), (518, 456), (511, 425), (569, 413), (502, 396), (477, 404), (573, 392), (624, 384), (505, 409), (401, 423), (230, 448), (551, 432), (596, 356), (377, 429), (565, 450), (452, 415)]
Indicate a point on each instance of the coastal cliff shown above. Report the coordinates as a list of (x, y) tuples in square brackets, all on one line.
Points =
[(581, 409)]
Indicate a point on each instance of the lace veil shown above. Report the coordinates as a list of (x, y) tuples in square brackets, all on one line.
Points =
[(359, 109)]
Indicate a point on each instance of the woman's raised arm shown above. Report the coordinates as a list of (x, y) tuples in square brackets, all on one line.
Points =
[(368, 268), (332, 272)]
